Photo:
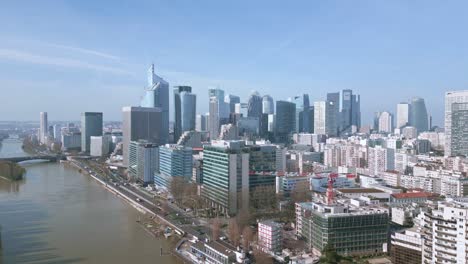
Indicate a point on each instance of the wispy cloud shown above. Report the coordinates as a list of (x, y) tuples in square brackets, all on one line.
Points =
[(84, 51), (22, 56)]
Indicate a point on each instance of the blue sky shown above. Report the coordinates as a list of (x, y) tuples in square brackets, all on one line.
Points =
[(66, 57)]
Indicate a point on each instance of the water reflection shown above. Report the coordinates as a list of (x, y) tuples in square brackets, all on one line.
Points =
[(11, 186)]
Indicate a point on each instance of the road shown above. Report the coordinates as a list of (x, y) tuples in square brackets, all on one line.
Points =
[(179, 217)]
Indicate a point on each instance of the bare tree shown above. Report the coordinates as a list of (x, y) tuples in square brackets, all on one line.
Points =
[(301, 192), (247, 237), (262, 257), (234, 232), (215, 228), (243, 218)]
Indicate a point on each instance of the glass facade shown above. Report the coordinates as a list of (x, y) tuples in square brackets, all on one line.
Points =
[(174, 161), (285, 120), (91, 125), (460, 129), (143, 160)]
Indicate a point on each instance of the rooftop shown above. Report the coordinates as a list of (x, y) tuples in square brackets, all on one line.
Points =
[(412, 195), (359, 190)]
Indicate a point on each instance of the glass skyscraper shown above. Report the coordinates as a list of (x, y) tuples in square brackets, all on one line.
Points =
[(451, 143), (174, 161), (143, 160), (285, 120), (418, 115), (302, 113), (157, 95), (184, 110), (91, 125)]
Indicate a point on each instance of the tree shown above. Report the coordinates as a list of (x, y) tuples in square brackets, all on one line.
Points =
[(301, 192), (243, 218), (264, 198), (261, 257), (234, 232), (247, 236), (177, 188), (330, 256), (215, 228)]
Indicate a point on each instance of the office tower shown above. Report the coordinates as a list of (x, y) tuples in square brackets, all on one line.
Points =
[(460, 129), (232, 100), (312, 118), (302, 113), (226, 176), (91, 125), (347, 107), (178, 116), (285, 121), (140, 123), (157, 95), (254, 108), (452, 144), (347, 229), (403, 115), (229, 132), (174, 161), (100, 145), (324, 118), (201, 123), (268, 105), (223, 108), (143, 160), (214, 120), (380, 159), (57, 133), (44, 128), (385, 122), (375, 126), (71, 141), (419, 118), (50, 133)]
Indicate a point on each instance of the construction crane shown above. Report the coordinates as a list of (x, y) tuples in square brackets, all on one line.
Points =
[(330, 194)]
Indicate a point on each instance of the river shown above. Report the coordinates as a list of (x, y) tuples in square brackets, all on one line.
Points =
[(57, 215)]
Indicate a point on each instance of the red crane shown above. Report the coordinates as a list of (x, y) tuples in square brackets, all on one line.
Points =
[(330, 194)]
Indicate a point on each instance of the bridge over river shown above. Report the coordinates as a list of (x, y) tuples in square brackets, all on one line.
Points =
[(28, 158)]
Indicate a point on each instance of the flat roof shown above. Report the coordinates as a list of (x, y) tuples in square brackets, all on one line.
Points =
[(360, 190)]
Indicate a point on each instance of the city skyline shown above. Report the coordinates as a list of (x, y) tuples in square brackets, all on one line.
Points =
[(394, 58)]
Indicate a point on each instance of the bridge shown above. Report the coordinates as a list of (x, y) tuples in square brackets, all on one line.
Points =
[(40, 157)]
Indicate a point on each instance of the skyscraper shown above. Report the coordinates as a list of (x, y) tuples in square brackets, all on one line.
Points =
[(201, 123), (285, 122), (140, 123), (347, 107), (214, 118), (325, 118), (91, 125), (268, 105), (451, 98), (232, 100), (302, 113), (386, 122), (459, 131), (157, 95), (44, 128), (403, 114), (184, 110), (254, 107), (419, 118)]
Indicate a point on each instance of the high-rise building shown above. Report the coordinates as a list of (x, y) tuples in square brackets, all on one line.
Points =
[(223, 108), (214, 120), (285, 122), (232, 100), (100, 145), (143, 160), (157, 95), (141, 123), (347, 108), (91, 125), (419, 117), (386, 122), (406, 247), (174, 161), (268, 105), (201, 123), (57, 133), (403, 115), (178, 106), (254, 108), (452, 97), (380, 159), (324, 118), (44, 128), (302, 113), (460, 129), (226, 176), (444, 228)]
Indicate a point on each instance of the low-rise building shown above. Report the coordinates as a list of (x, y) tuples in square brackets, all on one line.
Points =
[(270, 237), (406, 247)]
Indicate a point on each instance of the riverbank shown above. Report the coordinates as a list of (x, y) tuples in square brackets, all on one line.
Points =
[(153, 225), (11, 171)]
